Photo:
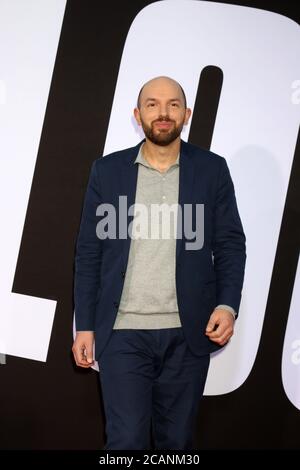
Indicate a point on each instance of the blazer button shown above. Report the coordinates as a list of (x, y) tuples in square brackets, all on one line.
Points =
[(116, 304), (123, 273)]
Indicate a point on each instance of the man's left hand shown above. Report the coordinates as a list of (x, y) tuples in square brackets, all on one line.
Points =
[(220, 326)]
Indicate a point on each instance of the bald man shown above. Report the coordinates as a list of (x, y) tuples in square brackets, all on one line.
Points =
[(159, 297)]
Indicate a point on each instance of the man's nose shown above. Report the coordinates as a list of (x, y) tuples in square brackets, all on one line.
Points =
[(164, 116), (163, 110)]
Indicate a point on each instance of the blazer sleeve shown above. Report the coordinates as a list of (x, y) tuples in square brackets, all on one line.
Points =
[(88, 257), (229, 242)]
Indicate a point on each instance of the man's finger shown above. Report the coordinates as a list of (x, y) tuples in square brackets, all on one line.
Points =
[(84, 362), (89, 355), (80, 357), (218, 332), (210, 326), (222, 338)]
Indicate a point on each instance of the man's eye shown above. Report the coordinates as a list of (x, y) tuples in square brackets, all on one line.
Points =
[(150, 105), (174, 105)]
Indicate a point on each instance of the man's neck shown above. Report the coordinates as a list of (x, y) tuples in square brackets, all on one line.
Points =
[(161, 157)]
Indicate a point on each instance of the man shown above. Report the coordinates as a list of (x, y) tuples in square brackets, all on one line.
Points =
[(157, 306)]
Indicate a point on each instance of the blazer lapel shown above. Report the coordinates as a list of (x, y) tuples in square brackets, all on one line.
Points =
[(186, 182), (129, 184)]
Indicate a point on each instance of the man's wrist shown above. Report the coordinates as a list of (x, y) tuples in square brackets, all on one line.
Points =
[(227, 307)]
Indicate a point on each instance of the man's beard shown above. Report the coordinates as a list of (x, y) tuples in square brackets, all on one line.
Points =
[(162, 137)]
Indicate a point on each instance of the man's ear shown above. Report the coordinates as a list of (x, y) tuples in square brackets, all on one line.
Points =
[(136, 113), (188, 113)]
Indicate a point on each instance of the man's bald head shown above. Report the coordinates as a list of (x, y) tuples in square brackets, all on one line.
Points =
[(157, 81)]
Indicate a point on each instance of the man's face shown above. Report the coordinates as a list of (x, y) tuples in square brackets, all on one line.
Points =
[(162, 113)]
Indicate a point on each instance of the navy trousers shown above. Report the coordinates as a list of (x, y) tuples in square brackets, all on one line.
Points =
[(150, 377)]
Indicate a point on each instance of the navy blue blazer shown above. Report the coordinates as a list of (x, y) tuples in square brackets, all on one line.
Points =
[(205, 278)]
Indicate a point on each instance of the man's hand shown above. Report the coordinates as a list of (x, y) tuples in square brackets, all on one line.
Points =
[(220, 326), (83, 348)]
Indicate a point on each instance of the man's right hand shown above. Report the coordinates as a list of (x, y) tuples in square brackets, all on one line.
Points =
[(83, 348)]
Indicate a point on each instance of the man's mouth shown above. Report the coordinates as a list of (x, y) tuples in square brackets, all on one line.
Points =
[(164, 124)]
